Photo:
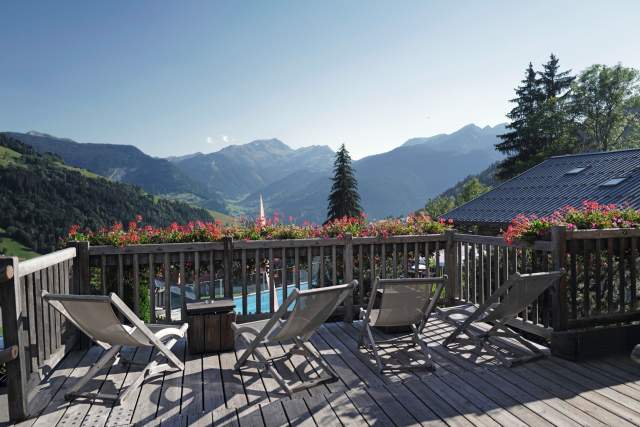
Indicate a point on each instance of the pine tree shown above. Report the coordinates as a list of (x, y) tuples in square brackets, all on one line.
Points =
[(540, 122), (554, 84), (521, 142), (343, 199)]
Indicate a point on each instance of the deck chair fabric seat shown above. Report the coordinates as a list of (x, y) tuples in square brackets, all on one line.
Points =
[(296, 320), (403, 302), (95, 316), (499, 310)]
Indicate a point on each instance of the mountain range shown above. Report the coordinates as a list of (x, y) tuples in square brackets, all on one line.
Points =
[(295, 182), (42, 197)]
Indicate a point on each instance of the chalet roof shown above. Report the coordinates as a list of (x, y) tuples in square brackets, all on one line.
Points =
[(606, 177)]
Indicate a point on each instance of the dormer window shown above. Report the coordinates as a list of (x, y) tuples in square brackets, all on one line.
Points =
[(613, 182)]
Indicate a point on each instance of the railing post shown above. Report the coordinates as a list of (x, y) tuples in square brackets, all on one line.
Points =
[(451, 269), (81, 281), (228, 266), (348, 270), (559, 306), (14, 331), (81, 272)]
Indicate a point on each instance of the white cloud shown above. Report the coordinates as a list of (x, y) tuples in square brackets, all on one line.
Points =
[(225, 139)]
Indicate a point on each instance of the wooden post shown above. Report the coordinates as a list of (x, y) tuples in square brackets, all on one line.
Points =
[(450, 257), (81, 276), (15, 334), (348, 276), (81, 273), (559, 306), (228, 266)]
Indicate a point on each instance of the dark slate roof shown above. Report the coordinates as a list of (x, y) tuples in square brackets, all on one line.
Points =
[(547, 187)]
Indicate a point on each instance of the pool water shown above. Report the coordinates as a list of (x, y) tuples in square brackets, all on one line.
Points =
[(264, 299)]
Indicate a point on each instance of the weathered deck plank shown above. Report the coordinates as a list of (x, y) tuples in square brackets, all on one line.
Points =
[(462, 391)]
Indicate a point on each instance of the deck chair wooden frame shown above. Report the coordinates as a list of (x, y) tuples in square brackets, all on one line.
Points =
[(112, 335), (414, 314), (282, 326), (503, 306)]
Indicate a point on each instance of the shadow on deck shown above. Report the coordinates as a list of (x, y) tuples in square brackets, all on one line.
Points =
[(462, 391)]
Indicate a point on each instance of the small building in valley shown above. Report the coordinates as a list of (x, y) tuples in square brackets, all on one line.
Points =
[(605, 177)]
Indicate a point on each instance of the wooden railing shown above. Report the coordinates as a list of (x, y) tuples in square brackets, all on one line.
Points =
[(602, 270), (257, 274), (484, 263), (599, 287), (40, 335)]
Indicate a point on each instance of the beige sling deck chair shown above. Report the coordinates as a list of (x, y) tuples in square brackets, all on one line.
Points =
[(297, 319), (403, 302), (502, 307), (95, 316)]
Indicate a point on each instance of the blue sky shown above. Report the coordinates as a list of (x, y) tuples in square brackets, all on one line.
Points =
[(175, 77)]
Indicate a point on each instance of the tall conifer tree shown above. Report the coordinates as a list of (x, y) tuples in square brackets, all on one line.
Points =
[(539, 121), (521, 141), (343, 199)]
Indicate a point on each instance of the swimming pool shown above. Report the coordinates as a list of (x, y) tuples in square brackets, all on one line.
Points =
[(264, 299)]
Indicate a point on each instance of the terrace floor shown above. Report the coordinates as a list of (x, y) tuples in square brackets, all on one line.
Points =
[(461, 392)]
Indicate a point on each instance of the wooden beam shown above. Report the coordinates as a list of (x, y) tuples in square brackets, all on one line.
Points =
[(15, 334)]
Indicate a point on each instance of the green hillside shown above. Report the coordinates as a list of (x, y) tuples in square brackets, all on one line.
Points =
[(10, 247), (42, 197)]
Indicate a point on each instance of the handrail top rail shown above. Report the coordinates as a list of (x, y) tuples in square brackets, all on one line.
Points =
[(602, 233), (542, 245), (151, 248), (44, 261), (155, 248)]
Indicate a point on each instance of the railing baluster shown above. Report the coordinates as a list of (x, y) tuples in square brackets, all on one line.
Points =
[(152, 289), (334, 268), (196, 275), (258, 280), (103, 273), (22, 289), (31, 310), (243, 278), (394, 261), (167, 288), (586, 295), (46, 313), (136, 284), (633, 256), (321, 272), (610, 273), (360, 272), (296, 267), (574, 278), (283, 266), (120, 277), (598, 275), (182, 282), (309, 268), (56, 314), (622, 280), (474, 275), (272, 285), (383, 261), (211, 268), (481, 275)]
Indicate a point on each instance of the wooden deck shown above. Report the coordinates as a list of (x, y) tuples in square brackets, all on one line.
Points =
[(461, 392)]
